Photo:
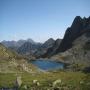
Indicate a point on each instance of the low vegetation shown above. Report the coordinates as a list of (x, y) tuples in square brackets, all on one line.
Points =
[(57, 80)]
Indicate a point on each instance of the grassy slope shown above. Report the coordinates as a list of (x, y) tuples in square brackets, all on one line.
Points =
[(68, 78), (11, 62)]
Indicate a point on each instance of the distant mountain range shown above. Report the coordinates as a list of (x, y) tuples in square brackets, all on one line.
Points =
[(29, 47), (76, 37), (36, 49), (73, 48), (16, 43)]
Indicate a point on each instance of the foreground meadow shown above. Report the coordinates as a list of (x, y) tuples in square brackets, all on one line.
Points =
[(58, 80)]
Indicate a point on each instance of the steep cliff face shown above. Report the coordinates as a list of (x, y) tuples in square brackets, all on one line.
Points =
[(78, 57), (78, 27), (74, 49), (80, 51)]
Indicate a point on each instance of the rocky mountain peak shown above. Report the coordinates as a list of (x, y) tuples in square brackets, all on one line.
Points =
[(78, 27), (50, 40), (48, 43)]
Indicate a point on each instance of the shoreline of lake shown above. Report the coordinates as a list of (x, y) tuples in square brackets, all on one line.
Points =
[(47, 64)]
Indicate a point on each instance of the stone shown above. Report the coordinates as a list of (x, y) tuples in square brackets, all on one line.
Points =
[(18, 81)]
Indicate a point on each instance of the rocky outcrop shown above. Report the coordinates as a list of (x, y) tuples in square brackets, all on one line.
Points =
[(49, 43), (79, 53), (44, 47), (51, 50), (78, 27), (74, 48)]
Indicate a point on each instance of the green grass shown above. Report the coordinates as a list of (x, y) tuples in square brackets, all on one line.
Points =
[(68, 78)]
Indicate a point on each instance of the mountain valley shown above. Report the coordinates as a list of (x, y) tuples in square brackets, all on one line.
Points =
[(73, 50)]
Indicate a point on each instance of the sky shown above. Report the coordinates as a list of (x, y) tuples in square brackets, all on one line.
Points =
[(39, 19)]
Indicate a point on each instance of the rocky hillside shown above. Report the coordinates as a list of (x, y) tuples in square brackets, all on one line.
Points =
[(51, 50), (11, 62), (75, 46), (80, 50), (48, 43), (28, 48), (44, 47), (78, 28)]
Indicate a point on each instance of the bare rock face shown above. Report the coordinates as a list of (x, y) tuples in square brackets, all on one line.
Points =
[(78, 27), (79, 53), (74, 48), (27, 48), (48, 43), (51, 50), (44, 47)]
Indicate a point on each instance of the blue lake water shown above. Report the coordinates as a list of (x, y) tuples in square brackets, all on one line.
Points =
[(47, 64)]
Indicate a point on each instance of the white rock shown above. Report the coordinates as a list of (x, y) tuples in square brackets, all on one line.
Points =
[(59, 81), (81, 82), (25, 87), (18, 81), (36, 82)]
